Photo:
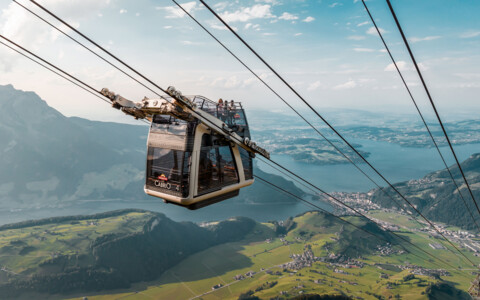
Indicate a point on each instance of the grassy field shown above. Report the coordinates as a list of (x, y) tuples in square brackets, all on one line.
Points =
[(23, 250), (195, 277)]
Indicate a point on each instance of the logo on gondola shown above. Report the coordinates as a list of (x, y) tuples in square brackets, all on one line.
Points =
[(237, 116), (162, 177)]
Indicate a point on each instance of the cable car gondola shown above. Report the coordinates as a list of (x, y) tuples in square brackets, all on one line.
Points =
[(198, 151)]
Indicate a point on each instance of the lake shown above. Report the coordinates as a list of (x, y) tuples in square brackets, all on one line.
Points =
[(395, 162)]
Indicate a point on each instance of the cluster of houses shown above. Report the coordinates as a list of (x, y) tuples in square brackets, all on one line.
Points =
[(300, 261), (340, 260), (387, 249), (241, 277)]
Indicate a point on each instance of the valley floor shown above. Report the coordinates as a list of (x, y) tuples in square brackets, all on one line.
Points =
[(271, 267)]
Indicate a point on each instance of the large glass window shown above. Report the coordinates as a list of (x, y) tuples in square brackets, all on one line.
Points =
[(168, 125), (216, 166), (168, 170), (247, 163)]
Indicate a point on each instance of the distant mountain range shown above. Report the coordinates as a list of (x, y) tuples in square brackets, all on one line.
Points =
[(48, 159), (436, 196)]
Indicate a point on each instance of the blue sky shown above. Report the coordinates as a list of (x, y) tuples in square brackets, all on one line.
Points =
[(326, 49)]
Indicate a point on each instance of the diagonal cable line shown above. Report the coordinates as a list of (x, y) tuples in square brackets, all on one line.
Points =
[(88, 49), (332, 128), (420, 113), (58, 71), (51, 70), (431, 101), (50, 64)]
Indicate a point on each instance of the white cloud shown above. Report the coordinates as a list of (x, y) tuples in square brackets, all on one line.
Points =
[(373, 31), (363, 50), (269, 33), (298, 34), (470, 34), (356, 37), (248, 25), (363, 23), (17, 23), (174, 12), (287, 16), (427, 38), (123, 11), (404, 66), (315, 85), (335, 4), (308, 19), (273, 2), (258, 11), (400, 64), (189, 43), (137, 14), (221, 5), (168, 27), (345, 86)]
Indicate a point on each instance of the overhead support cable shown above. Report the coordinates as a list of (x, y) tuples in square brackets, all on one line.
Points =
[(431, 102), (50, 64), (57, 73), (88, 49), (419, 112), (333, 129), (56, 70)]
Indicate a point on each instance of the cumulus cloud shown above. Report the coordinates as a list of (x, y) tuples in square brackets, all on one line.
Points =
[(174, 12), (373, 31), (287, 16), (308, 19), (123, 11), (345, 86), (258, 11), (427, 38)]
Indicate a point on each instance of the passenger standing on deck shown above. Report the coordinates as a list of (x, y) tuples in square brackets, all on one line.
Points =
[(220, 110)]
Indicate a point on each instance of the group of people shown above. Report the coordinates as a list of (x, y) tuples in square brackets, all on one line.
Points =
[(225, 110)]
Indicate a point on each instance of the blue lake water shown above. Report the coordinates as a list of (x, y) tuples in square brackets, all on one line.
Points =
[(396, 163)]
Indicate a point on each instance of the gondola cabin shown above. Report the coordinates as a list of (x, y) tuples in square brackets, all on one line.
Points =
[(189, 165)]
